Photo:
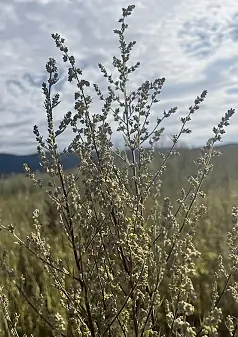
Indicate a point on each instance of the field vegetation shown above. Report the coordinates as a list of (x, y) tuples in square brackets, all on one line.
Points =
[(139, 242)]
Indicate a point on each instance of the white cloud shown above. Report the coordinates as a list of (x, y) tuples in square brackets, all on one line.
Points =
[(194, 45)]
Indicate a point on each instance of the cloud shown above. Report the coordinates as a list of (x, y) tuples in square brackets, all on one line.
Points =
[(194, 45)]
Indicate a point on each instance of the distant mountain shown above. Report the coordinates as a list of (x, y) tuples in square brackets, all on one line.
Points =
[(12, 164)]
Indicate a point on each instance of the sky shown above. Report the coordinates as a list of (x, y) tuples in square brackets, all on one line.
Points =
[(193, 44)]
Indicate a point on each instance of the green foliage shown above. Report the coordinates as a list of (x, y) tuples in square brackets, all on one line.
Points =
[(110, 253)]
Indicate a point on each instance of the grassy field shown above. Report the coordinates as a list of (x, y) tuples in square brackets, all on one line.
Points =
[(19, 198)]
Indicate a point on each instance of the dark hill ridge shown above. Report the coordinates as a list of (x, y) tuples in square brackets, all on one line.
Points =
[(13, 164)]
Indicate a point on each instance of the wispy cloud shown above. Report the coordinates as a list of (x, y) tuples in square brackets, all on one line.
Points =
[(193, 44)]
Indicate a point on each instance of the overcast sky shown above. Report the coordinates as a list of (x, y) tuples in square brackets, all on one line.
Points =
[(193, 44)]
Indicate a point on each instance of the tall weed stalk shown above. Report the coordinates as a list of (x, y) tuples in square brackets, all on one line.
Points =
[(132, 259)]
